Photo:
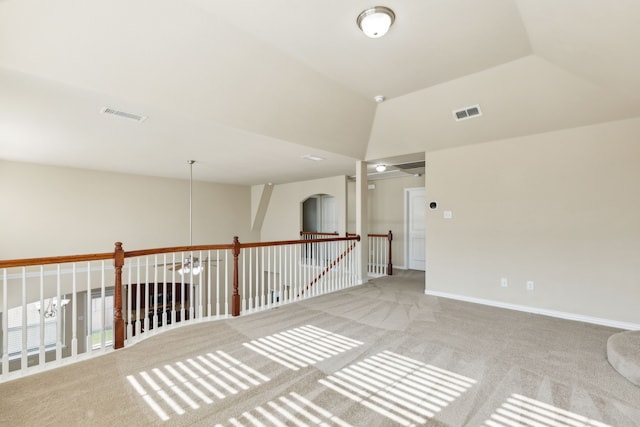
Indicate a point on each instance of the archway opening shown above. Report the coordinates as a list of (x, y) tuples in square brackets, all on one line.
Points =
[(320, 214)]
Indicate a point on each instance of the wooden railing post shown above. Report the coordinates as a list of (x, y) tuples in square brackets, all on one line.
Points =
[(118, 321), (235, 298), (389, 262)]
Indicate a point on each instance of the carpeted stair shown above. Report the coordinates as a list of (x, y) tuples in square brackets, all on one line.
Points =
[(623, 352)]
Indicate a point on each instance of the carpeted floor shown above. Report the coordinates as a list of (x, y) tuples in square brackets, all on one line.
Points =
[(382, 354)]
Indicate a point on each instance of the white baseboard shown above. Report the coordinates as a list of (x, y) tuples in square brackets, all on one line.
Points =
[(534, 310)]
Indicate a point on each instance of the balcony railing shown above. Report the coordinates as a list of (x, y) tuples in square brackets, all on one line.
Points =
[(63, 309), (380, 254)]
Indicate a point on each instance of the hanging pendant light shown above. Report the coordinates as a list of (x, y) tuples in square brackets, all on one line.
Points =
[(191, 264)]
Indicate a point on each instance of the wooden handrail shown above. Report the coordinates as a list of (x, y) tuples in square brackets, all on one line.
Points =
[(297, 242), (314, 233), (26, 262), (173, 249), (319, 233)]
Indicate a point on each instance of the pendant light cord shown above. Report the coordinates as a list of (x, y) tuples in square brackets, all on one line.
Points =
[(191, 162)]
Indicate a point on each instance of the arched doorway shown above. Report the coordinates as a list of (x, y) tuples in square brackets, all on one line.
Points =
[(320, 214)]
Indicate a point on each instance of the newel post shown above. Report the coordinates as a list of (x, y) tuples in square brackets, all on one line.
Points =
[(235, 298), (118, 321), (390, 263)]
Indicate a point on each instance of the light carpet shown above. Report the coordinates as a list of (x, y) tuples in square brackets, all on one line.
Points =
[(381, 354)]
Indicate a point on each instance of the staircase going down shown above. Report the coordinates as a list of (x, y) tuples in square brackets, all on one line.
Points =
[(623, 352)]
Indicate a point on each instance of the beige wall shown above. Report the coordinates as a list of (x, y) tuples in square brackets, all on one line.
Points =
[(386, 210), (283, 217), (49, 211), (561, 209)]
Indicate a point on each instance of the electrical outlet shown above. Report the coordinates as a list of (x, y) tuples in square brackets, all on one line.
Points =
[(529, 285), (503, 282)]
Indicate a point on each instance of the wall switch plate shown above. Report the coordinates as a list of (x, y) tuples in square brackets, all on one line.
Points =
[(503, 282), (448, 214), (529, 285)]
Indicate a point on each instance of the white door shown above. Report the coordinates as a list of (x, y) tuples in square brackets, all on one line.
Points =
[(415, 221), (329, 214)]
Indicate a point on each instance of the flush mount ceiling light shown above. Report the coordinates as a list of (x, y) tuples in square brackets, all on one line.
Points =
[(376, 21), (381, 168), (313, 158)]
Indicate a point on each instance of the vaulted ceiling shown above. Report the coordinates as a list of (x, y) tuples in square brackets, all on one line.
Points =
[(249, 87)]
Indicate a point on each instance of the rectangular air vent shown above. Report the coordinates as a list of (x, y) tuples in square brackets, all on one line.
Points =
[(124, 114), (467, 112), (411, 165)]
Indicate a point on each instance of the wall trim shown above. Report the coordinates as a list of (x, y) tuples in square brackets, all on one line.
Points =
[(535, 310)]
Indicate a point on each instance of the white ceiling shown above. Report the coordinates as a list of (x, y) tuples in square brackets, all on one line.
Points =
[(248, 87)]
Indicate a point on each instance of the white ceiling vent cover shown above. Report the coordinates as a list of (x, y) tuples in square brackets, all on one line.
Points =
[(130, 116), (467, 113)]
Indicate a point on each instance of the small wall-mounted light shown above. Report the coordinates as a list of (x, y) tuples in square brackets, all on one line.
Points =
[(381, 168)]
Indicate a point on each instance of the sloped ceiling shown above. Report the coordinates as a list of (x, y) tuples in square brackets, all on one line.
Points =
[(248, 87)]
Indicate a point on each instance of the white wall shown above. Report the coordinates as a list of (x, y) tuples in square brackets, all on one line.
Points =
[(561, 209), (50, 211), (283, 219)]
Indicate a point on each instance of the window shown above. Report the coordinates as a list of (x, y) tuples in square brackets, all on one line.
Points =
[(14, 326), (101, 314)]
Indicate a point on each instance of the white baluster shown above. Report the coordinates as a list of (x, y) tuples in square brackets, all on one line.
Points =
[(218, 283), (138, 295), (209, 263), (173, 290), (74, 313), (244, 281), (103, 311), (59, 330), (248, 252), (87, 316), (5, 325), (226, 283), (42, 354)]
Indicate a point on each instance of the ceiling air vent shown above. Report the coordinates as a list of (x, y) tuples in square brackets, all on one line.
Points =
[(411, 165), (130, 116), (467, 112)]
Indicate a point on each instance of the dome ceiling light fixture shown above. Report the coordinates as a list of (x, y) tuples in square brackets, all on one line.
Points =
[(381, 168), (376, 21)]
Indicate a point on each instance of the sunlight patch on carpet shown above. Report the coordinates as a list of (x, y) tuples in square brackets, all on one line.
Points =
[(186, 385), (301, 347), (404, 390), (286, 411), (520, 410)]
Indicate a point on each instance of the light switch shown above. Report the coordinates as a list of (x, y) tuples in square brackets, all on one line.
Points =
[(448, 214)]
